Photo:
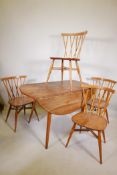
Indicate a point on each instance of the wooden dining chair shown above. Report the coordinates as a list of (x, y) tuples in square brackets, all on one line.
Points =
[(93, 118), (102, 82), (72, 47), (17, 101)]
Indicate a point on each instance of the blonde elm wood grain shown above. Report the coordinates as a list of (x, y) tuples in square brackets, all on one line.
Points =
[(102, 82), (72, 47), (92, 117), (56, 98), (17, 101)]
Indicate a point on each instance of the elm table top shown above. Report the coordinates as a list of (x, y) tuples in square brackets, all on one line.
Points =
[(55, 97)]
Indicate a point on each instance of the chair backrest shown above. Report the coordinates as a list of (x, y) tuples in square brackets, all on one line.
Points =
[(98, 96), (12, 85), (73, 43), (103, 82)]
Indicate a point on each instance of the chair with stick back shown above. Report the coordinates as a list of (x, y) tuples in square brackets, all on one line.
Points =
[(17, 101), (72, 47), (93, 118), (102, 82)]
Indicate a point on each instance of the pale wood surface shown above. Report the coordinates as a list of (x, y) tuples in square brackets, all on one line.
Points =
[(63, 103), (90, 120), (102, 82), (55, 97), (73, 43), (20, 101), (63, 58), (92, 117), (17, 101), (12, 84), (72, 47), (42, 90)]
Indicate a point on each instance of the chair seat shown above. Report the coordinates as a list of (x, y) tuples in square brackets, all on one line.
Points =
[(65, 58), (102, 104), (90, 121), (20, 101)]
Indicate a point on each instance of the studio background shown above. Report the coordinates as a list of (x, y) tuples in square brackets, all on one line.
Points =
[(30, 32)]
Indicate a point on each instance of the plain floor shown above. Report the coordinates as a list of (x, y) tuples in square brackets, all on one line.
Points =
[(23, 152)]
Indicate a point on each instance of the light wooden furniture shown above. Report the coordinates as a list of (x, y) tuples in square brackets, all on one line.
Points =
[(72, 47), (93, 118), (17, 100), (102, 82), (1, 104), (56, 98)]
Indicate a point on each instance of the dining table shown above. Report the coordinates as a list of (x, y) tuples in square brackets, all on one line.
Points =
[(56, 98)]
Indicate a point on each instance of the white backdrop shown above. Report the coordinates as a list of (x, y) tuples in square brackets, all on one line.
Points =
[(30, 33)]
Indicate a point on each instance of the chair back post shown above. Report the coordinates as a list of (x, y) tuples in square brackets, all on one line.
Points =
[(99, 96), (21, 81), (12, 84), (73, 43), (72, 47), (8, 83), (103, 82)]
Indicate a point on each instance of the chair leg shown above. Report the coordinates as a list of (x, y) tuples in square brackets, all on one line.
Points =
[(36, 113), (78, 70), (100, 146), (48, 129), (70, 73), (103, 133), (33, 106), (107, 116), (70, 135), (82, 109), (33, 109), (8, 113), (24, 110), (50, 70), (62, 69), (80, 129), (16, 117)]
